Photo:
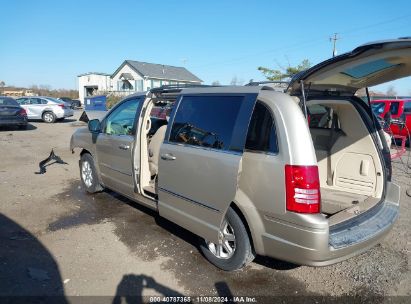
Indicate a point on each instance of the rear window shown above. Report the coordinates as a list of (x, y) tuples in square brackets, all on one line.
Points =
[(407, 107), (366, 69), (394, 108), (56, 100), (5, 101), (206, 121), (378, 107), (261, 134)]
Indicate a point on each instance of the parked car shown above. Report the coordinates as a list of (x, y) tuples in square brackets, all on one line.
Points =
[(399, 111), (11, 114), (241, 168), (48, 109), (74, 103)]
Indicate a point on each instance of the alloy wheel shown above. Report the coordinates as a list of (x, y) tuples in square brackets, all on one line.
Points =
[(87, 173), (226, 242)]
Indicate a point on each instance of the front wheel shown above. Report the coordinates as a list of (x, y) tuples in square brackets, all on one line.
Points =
[(233, 250), (89, 175)]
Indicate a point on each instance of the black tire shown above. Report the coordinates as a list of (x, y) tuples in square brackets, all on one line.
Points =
[(49, 117), (243, 253), (95, 185)]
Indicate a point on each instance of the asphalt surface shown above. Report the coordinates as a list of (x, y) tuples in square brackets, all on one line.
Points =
[(57, 240)]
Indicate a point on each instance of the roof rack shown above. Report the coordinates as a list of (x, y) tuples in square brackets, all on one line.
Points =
[(178, 87), (257, 83)]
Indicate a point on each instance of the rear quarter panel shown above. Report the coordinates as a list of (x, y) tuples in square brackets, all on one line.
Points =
[(261, 193)]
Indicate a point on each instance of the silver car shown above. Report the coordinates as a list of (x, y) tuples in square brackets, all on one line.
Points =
[(48, 109), (303, 176)]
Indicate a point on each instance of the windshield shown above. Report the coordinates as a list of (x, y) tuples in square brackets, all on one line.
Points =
[(6, 101)]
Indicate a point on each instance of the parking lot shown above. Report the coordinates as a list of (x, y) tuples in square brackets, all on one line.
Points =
[(59, 240)]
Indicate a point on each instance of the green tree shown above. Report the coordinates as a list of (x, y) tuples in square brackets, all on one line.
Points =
[(284, 73)]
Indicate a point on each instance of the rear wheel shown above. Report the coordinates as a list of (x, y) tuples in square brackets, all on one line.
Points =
[(89, 175), (233, 250), (49, 117)]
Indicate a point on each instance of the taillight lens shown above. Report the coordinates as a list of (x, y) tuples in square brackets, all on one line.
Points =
[(61, 105), (302, 185), (23, 112)]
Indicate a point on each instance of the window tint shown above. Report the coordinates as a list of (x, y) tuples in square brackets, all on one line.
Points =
[(378, 107), (6, 101), (121, 120), (407, 107), (261, 131), (206, 121), (23, 101), (35, 101), (394, 108)]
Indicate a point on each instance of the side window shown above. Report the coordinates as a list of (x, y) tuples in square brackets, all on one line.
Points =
[(206, 121), (407, 107), (378, 107), (35, 101), (394, 108), (43, 101), (261, 134), (23, 101), (320, 117), (121, 120)]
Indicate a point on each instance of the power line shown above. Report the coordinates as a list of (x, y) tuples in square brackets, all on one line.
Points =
[(306, 42), (334, 40)]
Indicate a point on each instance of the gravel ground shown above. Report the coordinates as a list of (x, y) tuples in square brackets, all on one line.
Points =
[(57, 240)]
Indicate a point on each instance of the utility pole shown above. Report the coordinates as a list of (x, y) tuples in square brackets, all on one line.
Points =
[(334, 40)]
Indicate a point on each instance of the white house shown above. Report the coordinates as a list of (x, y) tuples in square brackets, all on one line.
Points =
[(91, 83), (134, 76)]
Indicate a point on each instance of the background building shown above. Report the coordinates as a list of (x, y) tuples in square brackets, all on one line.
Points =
[(91, 83), (134, 76)]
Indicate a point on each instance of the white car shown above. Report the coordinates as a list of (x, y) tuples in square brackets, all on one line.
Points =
[(48, 109)]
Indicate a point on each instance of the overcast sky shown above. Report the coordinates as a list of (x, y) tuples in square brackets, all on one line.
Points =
[(51, 42)]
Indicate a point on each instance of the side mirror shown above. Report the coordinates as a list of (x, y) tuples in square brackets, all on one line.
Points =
[(94, 126)]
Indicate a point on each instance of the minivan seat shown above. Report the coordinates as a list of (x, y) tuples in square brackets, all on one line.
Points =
[(154, 149)]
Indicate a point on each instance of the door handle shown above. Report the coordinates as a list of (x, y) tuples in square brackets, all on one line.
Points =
[(168, 156), (124, 147)]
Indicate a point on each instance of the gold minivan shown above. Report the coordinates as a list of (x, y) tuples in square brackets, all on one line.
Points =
[(302, 175)]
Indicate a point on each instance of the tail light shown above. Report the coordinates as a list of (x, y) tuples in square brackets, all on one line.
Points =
[(61, 105), (23, 112), (302, 185)]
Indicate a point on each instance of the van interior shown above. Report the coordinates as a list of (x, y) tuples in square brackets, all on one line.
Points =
[(350, 168), (155, 123)]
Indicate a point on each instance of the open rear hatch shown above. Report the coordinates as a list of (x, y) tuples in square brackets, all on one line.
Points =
[(347, 197), (367, 65)]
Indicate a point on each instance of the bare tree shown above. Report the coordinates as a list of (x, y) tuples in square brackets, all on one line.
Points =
[(215, 83), (233, 81), (236, 82), (391, 91), (2, 84)]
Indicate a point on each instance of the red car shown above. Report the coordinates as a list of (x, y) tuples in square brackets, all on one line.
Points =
[(400, 110)]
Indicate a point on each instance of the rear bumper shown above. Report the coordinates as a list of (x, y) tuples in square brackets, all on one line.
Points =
[(321, 247), (68, 113), (64, 113)]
